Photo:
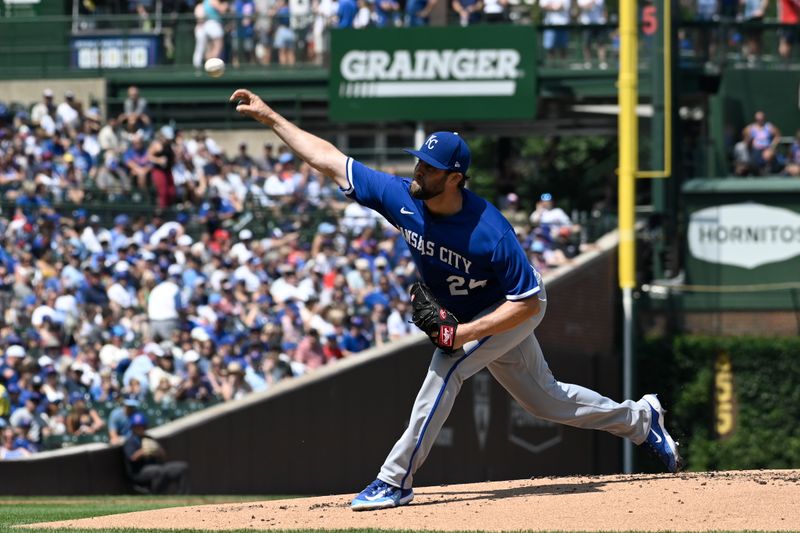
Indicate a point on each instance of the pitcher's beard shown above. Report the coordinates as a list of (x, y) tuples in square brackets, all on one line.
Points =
[(420, 193)]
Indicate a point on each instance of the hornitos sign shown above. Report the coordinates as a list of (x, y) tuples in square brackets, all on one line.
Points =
[(745, 235), (433, 73)]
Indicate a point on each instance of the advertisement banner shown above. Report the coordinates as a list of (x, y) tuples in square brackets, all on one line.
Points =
[(746, 235), (20, 8), (112, 52), (454, 73)]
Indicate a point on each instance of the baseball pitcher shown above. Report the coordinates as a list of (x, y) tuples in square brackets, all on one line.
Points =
[(479, 304)]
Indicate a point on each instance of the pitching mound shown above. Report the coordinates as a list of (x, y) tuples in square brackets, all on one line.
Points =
[(747, 500)]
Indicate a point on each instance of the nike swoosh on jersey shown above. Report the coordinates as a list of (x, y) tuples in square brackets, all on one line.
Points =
[(404, 211), (658, 437)]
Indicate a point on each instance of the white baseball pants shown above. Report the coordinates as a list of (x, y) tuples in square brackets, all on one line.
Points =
[(515, 359)]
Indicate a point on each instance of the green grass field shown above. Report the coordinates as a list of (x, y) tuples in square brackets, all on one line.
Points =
[(29, 510)]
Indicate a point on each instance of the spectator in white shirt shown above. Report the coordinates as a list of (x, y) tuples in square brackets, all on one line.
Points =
[(112, 352), (551, 218), (357, 218), (247, 273), (593, 12), (90, 235), (68, 112), (399, 322), (285, 287), (109, 137), (241, 250), (43, 108), (556, 13), (121, 293), (494, 11), (274, 187), (357, 278), (46, 310), (164, 306), (67, 304)]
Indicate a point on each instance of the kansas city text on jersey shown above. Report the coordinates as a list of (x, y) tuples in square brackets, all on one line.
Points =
[(445, 255)]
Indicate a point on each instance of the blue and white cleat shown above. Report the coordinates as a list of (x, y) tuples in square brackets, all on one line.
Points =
[(381, 495), (659, 440)]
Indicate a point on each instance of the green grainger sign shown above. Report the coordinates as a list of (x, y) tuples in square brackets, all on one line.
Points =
[(471, 73)]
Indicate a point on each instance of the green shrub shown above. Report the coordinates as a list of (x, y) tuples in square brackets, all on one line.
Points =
[(766, 388)]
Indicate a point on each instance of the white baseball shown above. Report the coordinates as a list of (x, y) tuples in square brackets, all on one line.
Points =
[(215, 67)]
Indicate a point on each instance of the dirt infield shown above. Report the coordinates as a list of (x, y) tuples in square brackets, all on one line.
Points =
[(747, 500)]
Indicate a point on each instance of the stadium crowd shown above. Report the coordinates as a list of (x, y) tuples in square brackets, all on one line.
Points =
[(171, 312), (285, 31)]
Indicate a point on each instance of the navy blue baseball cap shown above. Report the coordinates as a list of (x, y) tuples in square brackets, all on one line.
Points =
[(445, 150), (138, 419)]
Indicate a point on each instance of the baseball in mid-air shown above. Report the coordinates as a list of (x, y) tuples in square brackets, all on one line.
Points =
[(215, 67)]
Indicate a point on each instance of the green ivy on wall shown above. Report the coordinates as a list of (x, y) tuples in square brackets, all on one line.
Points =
[(766, 399)]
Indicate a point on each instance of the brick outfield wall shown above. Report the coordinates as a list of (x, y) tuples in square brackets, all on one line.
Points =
[(581, 309), (735, 323), (329, 431)]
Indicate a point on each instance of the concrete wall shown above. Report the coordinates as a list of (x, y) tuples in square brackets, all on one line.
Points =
[(229, 140), (329, 432), (29, 92)]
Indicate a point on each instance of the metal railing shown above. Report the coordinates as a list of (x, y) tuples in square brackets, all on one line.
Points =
[(168, 39)]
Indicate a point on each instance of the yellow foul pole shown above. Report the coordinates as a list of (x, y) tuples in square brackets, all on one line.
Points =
[(627, 86)]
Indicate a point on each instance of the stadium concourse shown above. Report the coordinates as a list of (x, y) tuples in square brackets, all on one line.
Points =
[(116, 300)]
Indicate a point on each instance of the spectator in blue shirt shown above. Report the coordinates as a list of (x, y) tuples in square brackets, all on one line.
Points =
[(417, 12), (196, 386), (92, 290), (386, 13), (14, 397), (468, 11), (12, 447), (382, 295), (354, 340), (119, 424), (137, 162), (285, 37), (31, 203), (216, 210), (244, 37), (347, 13)]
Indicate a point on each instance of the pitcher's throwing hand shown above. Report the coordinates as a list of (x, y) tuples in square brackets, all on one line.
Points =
[(251, 105)]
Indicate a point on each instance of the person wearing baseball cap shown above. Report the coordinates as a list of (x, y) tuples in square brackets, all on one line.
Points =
[(120, 419), (9, 366), (551, 219), (43, 108), (444, 150), (146, 464), (479, 301)]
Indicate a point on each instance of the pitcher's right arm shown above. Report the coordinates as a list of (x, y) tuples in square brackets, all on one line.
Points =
[(317, 152)]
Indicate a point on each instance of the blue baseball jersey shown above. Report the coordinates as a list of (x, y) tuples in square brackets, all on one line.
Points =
[(470, 260)]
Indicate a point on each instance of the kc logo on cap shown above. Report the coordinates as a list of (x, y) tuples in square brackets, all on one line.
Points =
[(444, 150)]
